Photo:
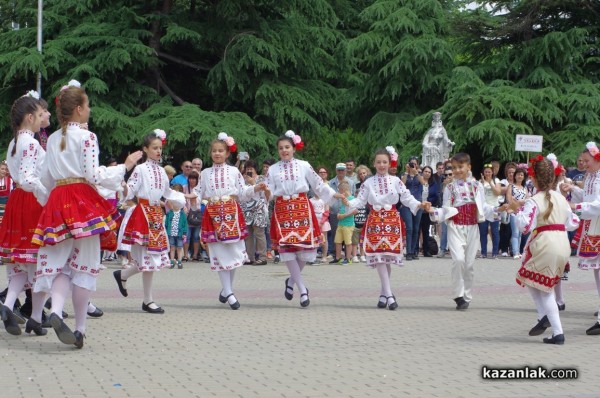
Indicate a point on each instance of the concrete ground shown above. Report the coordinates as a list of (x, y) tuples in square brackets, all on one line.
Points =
[(340, 346)]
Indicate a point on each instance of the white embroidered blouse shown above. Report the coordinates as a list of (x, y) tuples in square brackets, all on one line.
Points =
[(149, 181), (384, 192), (289, 178), (222, 180), (79, 160), (27, 164)]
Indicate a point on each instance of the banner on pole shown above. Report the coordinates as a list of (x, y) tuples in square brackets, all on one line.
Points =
[(529, 143)]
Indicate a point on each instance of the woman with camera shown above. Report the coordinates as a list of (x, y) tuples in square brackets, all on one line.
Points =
[(414, 183)]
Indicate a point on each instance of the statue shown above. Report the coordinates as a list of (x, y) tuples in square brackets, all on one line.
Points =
[(436, 144)]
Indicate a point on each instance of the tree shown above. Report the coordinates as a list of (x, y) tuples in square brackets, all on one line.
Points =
[(529, 67)]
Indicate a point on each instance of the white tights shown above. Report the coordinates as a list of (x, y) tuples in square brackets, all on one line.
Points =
[(545, 304), (295, 267), (226, 278), (147, 278), (80, 296)]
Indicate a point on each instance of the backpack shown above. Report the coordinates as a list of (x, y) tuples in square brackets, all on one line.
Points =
[(433, 246)]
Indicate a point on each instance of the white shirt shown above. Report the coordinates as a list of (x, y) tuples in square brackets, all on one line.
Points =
[(149, 181), (289, 178), (27, 164), (223, 180), (588, 198), (384, 192), (78, 160)]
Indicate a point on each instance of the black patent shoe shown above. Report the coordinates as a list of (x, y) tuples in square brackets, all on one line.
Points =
[(35, 327), (222, 298), (594, 330), (461, 303), (561, 307), (287, 293), (559, 339), (64, 334), (306, 302), (117, 275), (97, 313), (394, 305), (235, 305), (10, 320), (157, 310), (541, 327), (382, 304), (79, 339)]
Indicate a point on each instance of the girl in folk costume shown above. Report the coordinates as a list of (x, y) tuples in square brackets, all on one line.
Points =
[(70, 225), (25, 162), (547, 216), (223, 226), (586, 204), (145, 231), (294, 226), (382, 232)]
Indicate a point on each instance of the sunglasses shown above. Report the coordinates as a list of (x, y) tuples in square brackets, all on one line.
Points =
[(448, 174), (486, 166)]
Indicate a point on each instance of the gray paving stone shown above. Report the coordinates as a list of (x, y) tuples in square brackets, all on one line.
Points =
[(340, 346)]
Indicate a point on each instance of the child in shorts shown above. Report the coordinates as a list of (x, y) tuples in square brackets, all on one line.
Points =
[(177, 226), (345, 229)]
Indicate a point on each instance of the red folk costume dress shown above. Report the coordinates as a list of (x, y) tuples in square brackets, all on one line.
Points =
[(5, 190), (223, 225), (23, 208), (70, 225), (548, 249), (382, 234), (145, 230), (294, 226), (588, 210)]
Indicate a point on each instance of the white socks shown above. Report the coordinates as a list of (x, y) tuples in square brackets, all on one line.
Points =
[(384, 276), (15, 286), (147, 283)]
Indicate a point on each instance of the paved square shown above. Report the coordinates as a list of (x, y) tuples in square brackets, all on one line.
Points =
[(340, 346)]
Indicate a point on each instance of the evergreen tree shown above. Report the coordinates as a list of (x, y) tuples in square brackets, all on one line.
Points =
[(529, 67)]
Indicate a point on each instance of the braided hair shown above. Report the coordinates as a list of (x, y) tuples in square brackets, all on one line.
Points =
[(545, 179), (68, 100), (22, 107)]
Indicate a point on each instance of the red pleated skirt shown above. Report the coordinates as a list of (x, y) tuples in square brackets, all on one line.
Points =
[(74, 211), (18, 226)]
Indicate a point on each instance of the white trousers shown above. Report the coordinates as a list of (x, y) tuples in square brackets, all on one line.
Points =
[(463, 243)]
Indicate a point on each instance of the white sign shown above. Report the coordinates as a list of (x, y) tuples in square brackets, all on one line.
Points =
[(529, 143)]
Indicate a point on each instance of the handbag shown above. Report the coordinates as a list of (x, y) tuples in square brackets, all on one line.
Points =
[(194, 218)]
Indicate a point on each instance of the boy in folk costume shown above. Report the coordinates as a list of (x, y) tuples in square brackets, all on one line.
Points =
[(464, 205), (145, 231), (586, 204)]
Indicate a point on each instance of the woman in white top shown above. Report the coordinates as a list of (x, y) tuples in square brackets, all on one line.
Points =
[(492, 190), (516, 192)]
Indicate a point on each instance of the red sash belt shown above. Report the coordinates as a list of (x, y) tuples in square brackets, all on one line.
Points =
[(467, 215)]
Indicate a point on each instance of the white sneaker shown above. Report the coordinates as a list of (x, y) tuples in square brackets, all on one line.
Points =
[(363, 259), (517, 256), (355, 259), (504, 254)]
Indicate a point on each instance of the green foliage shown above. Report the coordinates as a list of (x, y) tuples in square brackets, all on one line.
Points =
[(348, 76)]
